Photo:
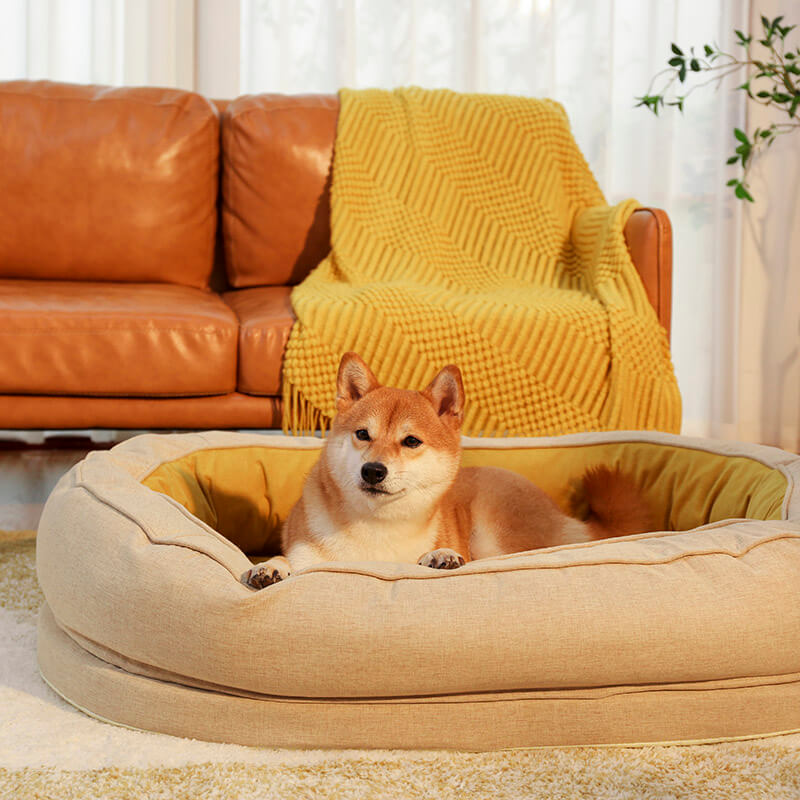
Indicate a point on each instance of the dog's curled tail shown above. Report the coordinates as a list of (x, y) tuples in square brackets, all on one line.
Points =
[(611, 504)]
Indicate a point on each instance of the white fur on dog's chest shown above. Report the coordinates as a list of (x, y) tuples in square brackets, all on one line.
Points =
[(363, 540), (378, 540)]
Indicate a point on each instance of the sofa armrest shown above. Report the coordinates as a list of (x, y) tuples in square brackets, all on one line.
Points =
[(648, 234)]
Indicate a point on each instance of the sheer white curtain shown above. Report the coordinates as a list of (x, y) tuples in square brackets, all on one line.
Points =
[(134, 42), (594, 58)]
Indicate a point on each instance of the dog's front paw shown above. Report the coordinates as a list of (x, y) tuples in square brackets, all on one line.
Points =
[(443, 558), (267, 573)]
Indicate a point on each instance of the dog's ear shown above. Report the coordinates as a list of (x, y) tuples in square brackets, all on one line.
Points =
[(355, 379), (446, 392)]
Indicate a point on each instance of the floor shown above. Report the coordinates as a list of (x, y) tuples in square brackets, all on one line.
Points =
[(31, 462), (26, 478)]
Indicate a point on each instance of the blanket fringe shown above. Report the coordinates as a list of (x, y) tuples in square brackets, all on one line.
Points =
[(300, 416)]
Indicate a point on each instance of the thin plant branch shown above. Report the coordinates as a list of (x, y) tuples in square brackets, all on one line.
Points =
[(771, 82)]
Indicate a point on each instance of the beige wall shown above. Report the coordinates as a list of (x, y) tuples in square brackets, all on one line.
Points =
[(769, 346)]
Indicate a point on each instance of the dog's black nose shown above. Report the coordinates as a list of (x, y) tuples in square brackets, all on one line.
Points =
[(373, 472)]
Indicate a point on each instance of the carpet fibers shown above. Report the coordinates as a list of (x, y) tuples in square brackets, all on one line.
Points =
[(48, 749)]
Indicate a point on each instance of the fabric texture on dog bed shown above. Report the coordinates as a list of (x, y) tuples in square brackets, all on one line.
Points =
[(245, 493), (671, 635)]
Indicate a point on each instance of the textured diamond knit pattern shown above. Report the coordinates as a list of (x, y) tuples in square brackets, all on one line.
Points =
[(468, 229)]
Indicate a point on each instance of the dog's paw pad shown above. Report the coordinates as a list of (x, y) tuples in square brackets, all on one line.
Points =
[(442, 559), (264, 575)]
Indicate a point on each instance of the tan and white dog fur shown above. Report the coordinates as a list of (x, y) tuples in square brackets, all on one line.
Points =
[(388, 486)]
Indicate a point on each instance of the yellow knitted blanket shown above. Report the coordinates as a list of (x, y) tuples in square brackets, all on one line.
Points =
[(468, 229)]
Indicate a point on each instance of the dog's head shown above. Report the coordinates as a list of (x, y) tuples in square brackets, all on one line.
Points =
[(394, 452)]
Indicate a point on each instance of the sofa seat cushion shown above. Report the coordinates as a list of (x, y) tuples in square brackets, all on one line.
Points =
[(82, 338), (265, 320)]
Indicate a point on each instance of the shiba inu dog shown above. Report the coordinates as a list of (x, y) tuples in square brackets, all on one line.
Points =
[(388, 486)]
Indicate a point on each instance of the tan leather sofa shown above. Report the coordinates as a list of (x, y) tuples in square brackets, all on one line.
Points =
[(123, 302)]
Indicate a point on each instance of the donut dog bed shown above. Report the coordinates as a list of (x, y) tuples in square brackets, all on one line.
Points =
[(691, 633)]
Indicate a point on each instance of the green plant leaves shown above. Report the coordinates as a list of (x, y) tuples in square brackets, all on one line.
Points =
[(650, 101), (770, 79), (741, 135), (740, 190)]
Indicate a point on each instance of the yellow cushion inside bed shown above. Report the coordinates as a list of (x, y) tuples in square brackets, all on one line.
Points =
[(246, 492)]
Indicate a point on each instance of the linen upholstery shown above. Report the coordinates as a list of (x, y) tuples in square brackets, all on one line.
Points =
[(685, 485), (659, 636), (634, 715)]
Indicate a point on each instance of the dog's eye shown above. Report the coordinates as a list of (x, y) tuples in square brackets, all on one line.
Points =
[(411, 441), (362, 434)]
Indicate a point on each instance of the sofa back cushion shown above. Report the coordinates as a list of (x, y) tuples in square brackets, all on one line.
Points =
[(107, 184), (276, 159)]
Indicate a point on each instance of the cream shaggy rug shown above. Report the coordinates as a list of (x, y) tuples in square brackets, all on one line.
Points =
[(48, 749)]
